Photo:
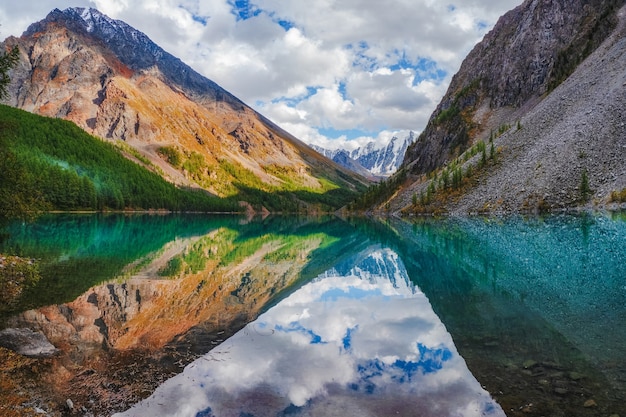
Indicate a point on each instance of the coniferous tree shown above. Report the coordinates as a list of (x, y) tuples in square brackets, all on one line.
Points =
[(8, 60), (12, 173)]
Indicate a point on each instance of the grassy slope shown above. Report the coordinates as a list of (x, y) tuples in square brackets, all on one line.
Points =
[(72, 170)]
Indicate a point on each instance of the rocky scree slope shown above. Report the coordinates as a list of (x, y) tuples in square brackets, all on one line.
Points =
[(115, 83), (516, 74)]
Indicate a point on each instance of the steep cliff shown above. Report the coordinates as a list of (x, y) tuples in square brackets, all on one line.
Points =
[(545, 87), (114, 82)]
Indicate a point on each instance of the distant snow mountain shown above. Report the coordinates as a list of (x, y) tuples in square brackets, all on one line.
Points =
[(375, 159), (376, 265), (343, 158)]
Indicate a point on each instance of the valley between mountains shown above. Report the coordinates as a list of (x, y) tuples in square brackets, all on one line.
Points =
[(532, 122)]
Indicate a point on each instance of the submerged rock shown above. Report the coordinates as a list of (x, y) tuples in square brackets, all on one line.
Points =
[(529, 363), (575, 376), (27, 342), (590, 404)]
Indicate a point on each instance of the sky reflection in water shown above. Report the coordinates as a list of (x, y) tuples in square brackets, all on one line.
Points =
[(358, 340)]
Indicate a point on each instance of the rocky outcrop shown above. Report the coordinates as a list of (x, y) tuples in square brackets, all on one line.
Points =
[(27, 342), (546, 85)]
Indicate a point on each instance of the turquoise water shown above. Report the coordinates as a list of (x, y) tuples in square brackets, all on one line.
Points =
[(322, 316), (548, 293)]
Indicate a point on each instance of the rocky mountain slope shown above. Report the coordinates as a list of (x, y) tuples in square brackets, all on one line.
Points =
[(380, 161), (546, 87), (115, 83)]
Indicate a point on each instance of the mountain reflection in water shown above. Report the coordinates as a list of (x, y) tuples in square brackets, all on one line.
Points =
[(360, 339), (128, 301), (535, 307)]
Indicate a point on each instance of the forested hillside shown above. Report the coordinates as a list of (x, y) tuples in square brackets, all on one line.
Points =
[(53, 164), (118, 85)]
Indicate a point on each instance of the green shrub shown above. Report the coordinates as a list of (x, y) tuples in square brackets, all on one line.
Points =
[(171, 155), (195, 164), (172, 269), (618, 196), (16, 275)]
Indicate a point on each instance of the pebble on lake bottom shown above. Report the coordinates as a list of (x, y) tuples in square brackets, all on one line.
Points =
[(575, 376), (529, 363), (590, 403)]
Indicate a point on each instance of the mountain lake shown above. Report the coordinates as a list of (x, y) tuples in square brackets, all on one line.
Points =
[(194, 315)]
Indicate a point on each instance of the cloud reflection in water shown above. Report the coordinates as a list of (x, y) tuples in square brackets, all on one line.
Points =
[(355, 341)]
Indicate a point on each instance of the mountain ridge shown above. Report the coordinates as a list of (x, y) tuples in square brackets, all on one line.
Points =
[(115, 83), (134, 49), (342, 157), (379, 160), (512, 67), (544, 107)]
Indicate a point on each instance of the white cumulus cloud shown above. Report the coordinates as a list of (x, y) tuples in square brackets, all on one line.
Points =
[(319, 69)]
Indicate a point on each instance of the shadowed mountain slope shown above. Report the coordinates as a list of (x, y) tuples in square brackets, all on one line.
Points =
[(533, 120)]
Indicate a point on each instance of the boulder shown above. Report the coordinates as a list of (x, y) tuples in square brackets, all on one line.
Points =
[(27, 342)]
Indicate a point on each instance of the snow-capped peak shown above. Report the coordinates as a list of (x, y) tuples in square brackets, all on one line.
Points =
[(91, 18), (379, 159)]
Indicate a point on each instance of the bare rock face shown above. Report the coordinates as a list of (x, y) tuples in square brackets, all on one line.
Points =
[(27, 342), (129, 51), (51, 76), (546, 79), (579, 129)]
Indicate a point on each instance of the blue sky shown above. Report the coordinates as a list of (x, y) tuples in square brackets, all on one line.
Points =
[(331, 72)]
